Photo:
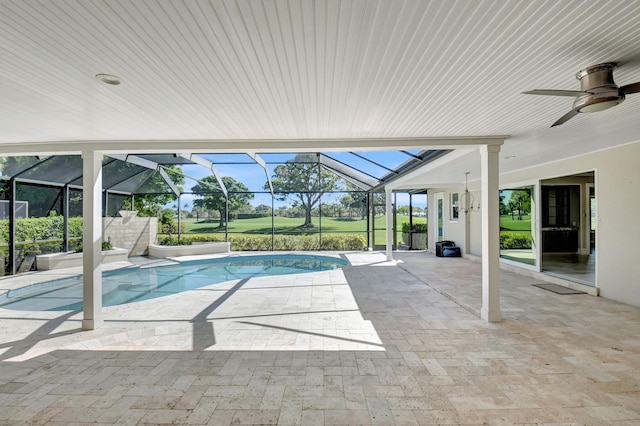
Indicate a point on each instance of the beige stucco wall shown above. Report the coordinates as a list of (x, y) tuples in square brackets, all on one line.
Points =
[(454, 230), (133, 234), (617, 180)]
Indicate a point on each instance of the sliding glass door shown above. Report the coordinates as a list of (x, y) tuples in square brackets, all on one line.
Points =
[(517, 225)]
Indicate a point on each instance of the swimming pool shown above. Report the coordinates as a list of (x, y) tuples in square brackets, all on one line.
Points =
[(142, 283)]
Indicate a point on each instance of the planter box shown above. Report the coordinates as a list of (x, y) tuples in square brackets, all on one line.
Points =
[(418, 240), (194, 249), (406, 238), (68, 260)]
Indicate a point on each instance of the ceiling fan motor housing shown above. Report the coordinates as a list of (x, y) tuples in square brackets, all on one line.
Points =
[(603, 92)]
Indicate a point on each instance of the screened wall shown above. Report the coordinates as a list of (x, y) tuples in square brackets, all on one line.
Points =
[(266, 201)]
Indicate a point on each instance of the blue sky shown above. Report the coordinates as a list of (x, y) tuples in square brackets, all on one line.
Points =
[(245, 170)]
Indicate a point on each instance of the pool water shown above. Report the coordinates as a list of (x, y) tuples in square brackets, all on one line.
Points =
[(142, 283)]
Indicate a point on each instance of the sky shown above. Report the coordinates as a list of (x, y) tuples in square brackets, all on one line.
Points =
[(252, 175)]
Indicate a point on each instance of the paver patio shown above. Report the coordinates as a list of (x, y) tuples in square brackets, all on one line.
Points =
[(370, 344)]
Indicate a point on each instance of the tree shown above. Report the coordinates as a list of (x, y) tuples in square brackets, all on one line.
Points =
[(520, 200), (167, 221), (198, 211), (504, 206), (379, 204), (306, 180), (150, 204), (263, 209), (403, 210), (353, 202), (356, 199), (185, 210), (213, 198)]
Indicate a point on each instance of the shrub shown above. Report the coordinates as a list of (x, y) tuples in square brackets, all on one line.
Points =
[(38, 235), (420, 227), (515, 240), (245, 242), (41, 228), (167, 222), (250, 242), (284, 242), (343, 242), (187, 240), (355, 242), (417, 227)]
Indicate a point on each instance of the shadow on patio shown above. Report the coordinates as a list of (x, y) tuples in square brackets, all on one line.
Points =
[(371, 344)]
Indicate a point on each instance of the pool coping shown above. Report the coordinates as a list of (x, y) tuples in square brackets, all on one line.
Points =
[(19, 281)]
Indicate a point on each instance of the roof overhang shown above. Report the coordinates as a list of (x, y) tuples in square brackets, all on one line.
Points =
[(245, 145)]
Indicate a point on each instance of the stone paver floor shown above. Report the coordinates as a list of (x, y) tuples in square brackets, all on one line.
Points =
[(370, 344)]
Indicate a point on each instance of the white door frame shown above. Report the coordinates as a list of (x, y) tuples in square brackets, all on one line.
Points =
[(438, 196)]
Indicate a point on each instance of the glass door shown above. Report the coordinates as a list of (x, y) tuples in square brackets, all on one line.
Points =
[(517, 225), (592, 218), (439, 222)]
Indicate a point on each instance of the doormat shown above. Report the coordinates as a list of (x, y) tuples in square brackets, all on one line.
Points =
[(558, 289)]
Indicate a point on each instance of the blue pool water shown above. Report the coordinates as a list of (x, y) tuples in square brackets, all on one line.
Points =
[(136, 284)]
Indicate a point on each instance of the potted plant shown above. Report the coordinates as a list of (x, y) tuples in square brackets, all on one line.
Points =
[(406, 229), (419, 236)]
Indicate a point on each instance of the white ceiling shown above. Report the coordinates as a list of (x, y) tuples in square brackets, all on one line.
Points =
[(309, 70)]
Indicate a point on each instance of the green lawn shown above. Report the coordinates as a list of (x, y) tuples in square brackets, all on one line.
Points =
[(283, 225), (509, 224), (291, 226)]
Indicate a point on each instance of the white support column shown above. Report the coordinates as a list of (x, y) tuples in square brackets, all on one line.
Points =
[(490, 233), (389, 217), (92, 239)]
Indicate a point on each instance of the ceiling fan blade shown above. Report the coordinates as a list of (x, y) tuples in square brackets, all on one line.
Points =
[(573, 93), (568, 116), (631, 88)]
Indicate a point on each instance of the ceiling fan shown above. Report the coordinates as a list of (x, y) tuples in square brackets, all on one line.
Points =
[(597, 91)]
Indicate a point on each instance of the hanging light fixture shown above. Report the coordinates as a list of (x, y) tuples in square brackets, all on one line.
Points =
[(465, 202)]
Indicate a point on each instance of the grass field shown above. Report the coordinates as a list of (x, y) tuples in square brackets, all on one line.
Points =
[(291, 226), (508, 224), (283, 225)]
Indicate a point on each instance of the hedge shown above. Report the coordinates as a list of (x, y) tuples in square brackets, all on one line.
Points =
[(40, 235), (37, 235), (280, 242), (41, 228), (515, 240)]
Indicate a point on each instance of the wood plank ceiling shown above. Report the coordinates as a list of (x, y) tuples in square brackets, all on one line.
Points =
[(297, 69)]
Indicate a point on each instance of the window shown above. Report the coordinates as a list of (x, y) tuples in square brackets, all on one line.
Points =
[(455, 206), (440, 214), (517, 232)]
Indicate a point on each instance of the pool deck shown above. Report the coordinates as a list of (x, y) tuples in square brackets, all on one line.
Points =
[(375, 343)]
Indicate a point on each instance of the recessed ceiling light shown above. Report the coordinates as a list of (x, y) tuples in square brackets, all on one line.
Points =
[(509, 157), (109, 79)]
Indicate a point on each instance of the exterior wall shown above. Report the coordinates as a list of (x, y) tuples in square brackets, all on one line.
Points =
[(617, 184), (453, 230), (475, 222), (617, 181), (134, 234)]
